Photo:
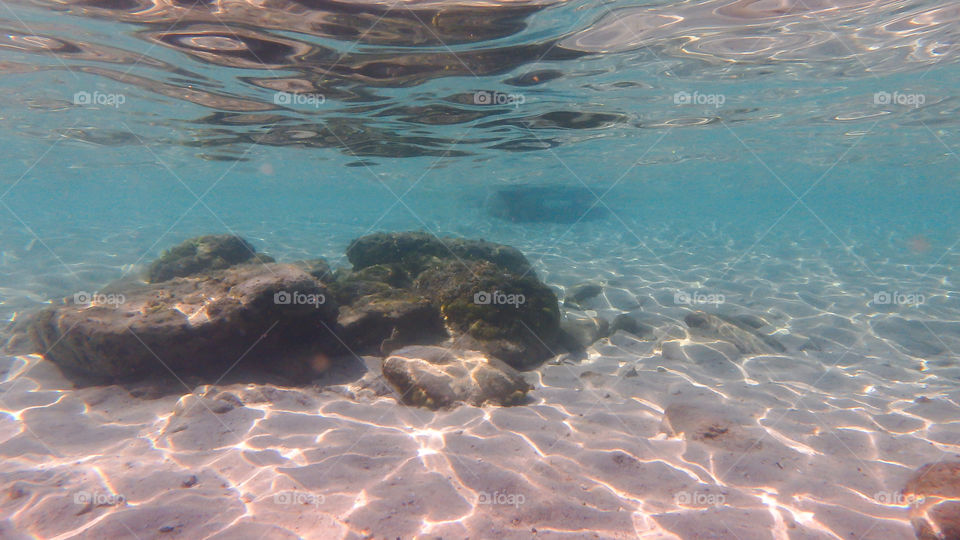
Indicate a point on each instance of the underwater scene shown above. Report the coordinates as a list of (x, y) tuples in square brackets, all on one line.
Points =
[(480, 269)]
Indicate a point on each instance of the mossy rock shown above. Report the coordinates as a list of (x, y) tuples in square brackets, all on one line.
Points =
[(382, 322), (418, 251), (202, 254), (318, 268), (349, 286), (514, 317)]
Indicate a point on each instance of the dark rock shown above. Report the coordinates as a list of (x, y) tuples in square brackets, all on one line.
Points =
[(584, 330), (511, 317), (414, 252), (750, 320), (202, 254), (192, 325), (631, 325), (437, 377), (382, 322), (380, 278), (506, 257), (746, 339), (933, 493), (545, 203), (582, 292), (317, 268)]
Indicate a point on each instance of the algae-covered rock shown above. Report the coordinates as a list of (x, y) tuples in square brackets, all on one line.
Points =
[(416, 251), (317, 268), (437, 377), (349, 286), (382, 322), (514, 317), (255, 313), (202, 254)]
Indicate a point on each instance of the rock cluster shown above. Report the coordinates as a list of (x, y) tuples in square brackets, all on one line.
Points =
[(212, 302)]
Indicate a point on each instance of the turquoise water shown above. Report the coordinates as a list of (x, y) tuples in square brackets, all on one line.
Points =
[(797, 158)]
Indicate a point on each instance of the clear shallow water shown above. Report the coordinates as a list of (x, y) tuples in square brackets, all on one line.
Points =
[(796, 158)]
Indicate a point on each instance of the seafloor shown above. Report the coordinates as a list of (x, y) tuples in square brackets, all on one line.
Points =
[(667, 436)]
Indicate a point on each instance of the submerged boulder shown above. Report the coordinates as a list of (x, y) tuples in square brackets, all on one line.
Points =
[(513, 317), (349, 286), (202, 254), (933, 493), (255, 313), (744, 337), (581, 293), (437, 377), (584, 330), (483, 293), (379, 323), (631, 325), (545, 204), (414, 252)]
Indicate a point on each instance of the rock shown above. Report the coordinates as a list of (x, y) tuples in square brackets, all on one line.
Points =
[(545, 204), (582, 292), (485, 294), (933, 493), (380, 278), (631, 325), (584, 330), (511, 317), (746, 339), (382, 322), (202, 254), (317, 268), (416, 251), (437, 377), (191, 325)]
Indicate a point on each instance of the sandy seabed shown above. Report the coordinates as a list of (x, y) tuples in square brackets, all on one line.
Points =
[(669, 436)]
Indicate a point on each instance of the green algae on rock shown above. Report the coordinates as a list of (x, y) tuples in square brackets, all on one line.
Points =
[(416, 251), (515, 318), (202, 254)]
